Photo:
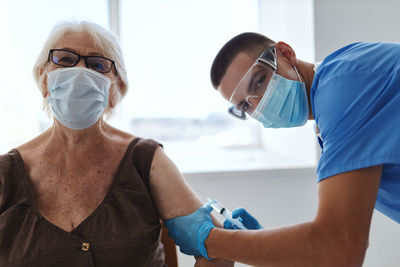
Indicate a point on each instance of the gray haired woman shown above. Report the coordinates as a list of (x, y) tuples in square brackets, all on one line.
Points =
[(83, 193)]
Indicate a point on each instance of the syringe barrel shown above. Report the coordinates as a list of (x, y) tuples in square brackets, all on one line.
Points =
[(228, 215), (217, 206)]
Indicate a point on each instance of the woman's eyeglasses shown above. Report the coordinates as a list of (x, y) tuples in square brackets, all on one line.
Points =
[(66, 58)]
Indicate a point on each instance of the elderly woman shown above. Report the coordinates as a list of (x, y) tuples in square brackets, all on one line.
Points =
[(83, 193)]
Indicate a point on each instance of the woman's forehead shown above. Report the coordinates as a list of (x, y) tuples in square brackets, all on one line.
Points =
[(79, 42)]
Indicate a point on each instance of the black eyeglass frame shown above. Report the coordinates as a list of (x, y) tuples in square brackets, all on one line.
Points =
[(268, 57), (79, 59)]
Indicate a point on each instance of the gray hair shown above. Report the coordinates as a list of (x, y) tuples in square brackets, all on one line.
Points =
[(102, 39)]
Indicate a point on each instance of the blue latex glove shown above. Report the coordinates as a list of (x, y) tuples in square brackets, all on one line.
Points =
[(191, 231), (249, 221)]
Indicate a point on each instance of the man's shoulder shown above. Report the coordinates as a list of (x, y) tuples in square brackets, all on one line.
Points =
[(378, 57), (359, 68)]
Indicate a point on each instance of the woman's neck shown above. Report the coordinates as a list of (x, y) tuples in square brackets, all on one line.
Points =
[(67, 139)]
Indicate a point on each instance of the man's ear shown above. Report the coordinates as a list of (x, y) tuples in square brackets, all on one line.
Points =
[(286, 51)]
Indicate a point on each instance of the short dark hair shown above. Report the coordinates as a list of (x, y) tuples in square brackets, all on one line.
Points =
[(250, 42)]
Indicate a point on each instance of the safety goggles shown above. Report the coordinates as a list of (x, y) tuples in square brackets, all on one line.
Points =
[(251, 88), (66, 58)]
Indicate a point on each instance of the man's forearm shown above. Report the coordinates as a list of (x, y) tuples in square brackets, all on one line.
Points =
[(299, 245), (203, 262), (200, 261)]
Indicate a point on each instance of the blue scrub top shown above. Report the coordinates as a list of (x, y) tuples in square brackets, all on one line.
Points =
[(355, 99)]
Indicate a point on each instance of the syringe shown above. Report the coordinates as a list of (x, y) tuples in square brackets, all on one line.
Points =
[(226, 213)]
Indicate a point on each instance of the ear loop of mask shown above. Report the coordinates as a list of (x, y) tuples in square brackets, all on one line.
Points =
[(298, 75)]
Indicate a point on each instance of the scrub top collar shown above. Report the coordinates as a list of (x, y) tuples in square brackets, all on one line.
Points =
[(316, 129), (316, 65)]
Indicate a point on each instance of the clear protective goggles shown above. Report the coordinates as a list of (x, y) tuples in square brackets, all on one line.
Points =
[(251, 88)]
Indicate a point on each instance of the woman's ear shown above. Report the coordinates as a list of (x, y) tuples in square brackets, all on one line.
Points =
[(114, 94), (112, 99), (122, 87), (43, 82), (287, 52)]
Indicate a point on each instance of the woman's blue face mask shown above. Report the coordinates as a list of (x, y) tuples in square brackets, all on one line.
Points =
[(78, 96)]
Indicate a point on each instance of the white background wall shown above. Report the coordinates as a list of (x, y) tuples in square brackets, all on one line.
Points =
[(341, 22)]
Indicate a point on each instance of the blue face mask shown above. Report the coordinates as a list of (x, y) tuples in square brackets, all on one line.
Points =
[(78, 96), (284, 104)]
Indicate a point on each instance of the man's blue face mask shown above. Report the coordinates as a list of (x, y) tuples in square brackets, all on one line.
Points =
[(283, 105), (284, 102)]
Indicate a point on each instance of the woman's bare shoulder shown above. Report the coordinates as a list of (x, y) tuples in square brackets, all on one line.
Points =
[(33, 146), (120, 136)]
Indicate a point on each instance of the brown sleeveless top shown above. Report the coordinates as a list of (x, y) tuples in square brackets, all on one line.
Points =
[(124, 230)]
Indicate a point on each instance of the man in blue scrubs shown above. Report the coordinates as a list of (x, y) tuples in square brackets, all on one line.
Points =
[(354, 98)]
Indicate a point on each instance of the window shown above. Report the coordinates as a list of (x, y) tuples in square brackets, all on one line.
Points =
[(168, 47)]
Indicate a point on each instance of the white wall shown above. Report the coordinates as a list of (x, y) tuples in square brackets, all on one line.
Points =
[(290, 21), (284, 197), (341, 22)]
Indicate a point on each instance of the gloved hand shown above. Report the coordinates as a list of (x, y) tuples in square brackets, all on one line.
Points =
[(249, 221), (191, 231)]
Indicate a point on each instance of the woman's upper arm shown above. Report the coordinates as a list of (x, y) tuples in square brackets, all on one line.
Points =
[(170, 192), (173, 197)]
